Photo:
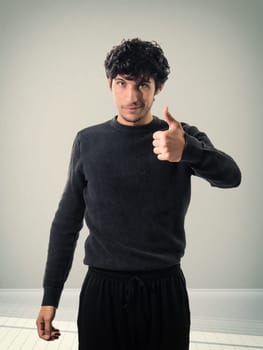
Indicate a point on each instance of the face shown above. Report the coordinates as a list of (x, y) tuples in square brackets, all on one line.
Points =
[(134, 99)]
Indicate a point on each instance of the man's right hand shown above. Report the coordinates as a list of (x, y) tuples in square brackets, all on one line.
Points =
[(45, 328)]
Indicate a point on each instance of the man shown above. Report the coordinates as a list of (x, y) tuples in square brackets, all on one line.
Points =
[(130, 178)]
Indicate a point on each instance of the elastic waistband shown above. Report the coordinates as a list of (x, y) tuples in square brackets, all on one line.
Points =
[(147, 274)]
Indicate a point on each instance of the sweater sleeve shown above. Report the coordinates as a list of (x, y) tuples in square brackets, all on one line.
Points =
[(207, 162), (64, 232)]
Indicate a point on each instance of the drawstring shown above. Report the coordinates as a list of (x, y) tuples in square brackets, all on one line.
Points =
[(135, 318), (129, 291)]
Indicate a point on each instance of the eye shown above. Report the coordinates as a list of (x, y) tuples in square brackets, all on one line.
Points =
[(144, 85), (121, 83)]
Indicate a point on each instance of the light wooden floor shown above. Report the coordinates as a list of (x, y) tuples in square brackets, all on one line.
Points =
[(20, 334), (18, 311)]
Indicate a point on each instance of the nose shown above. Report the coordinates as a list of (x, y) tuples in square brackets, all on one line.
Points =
[(133, 94)]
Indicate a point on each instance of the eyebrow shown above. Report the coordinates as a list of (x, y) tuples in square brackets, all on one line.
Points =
[(138, 81), (144, 80)]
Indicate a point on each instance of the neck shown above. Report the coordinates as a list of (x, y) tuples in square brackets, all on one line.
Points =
[(143, 120)]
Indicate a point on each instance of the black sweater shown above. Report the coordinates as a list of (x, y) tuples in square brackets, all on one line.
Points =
[(134, 204)]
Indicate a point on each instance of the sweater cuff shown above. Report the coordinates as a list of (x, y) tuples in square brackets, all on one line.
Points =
[(193, 150), (51, 296)]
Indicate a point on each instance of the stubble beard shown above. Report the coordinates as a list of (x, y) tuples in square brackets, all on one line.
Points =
[(132, 120), (139, 118)]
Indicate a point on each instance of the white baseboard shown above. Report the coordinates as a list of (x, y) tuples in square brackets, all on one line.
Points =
[(212, 310), (227, 310)]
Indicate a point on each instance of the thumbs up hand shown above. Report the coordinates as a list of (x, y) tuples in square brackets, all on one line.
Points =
[(169, 144)]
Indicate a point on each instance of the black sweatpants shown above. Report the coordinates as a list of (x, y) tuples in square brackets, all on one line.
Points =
[(135, 310)]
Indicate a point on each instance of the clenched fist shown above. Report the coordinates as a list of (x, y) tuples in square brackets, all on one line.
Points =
[(45, 328), (169, 144)]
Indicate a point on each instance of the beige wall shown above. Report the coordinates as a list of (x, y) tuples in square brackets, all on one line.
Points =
[(52, 84)]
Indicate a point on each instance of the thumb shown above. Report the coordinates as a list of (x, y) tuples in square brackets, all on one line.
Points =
[(168, 118), (48, 328)]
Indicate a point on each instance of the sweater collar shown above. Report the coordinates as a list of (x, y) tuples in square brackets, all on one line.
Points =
[(153, 125)]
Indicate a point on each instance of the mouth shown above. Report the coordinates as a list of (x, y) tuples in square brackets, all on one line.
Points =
[(133, 108)]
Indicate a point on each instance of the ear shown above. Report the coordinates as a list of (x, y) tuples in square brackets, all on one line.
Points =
[(109, 83), (159, 89)]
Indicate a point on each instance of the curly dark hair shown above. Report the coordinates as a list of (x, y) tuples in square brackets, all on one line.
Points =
[(137, 59)]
